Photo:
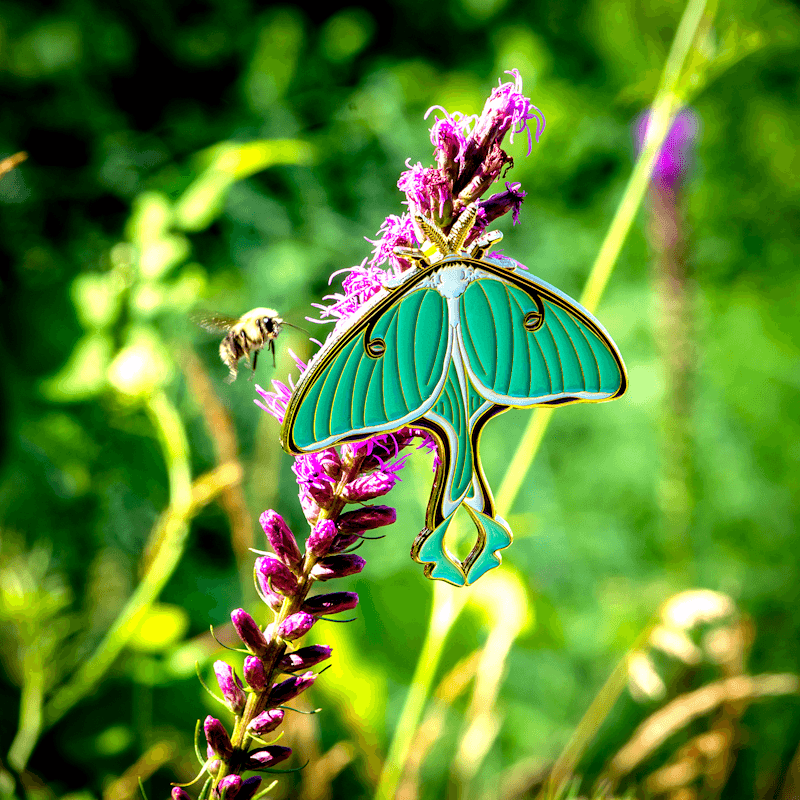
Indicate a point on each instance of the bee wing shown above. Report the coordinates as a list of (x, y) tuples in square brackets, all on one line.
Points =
[(213, 322)]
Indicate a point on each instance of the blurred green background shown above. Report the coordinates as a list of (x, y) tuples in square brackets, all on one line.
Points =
[(226, 155)]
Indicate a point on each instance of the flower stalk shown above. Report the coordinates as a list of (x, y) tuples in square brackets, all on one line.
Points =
[(469, 159)]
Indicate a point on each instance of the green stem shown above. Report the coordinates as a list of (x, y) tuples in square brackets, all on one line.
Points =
[(664, 107), (448, 603), (169, 537), (257, 702), (30, 710)]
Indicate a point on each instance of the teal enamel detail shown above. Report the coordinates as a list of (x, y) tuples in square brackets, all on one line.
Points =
[(449, 346), (433, 552), (497, 538), (356, 391), (563, 358), (451, 408)]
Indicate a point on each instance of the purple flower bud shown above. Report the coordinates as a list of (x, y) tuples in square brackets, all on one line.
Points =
[(447, 136), (231, 686), (311, 508), (367, 518), (217, 738), (213, 766), (501, 203), (228, 787), (254, 673), (427, 189), (337, 566), (330, 603), (267, 757), (494, 161), (330, 462), (272, 573), (249, 632), (272, 599), (296, 625), (178, 793), (289, 689), (376, 451), (506, 109), (320, 539), (266, 722), (395, 232), (304, 658), (281, 539), (366, 487), (341, 543), (250, 787)]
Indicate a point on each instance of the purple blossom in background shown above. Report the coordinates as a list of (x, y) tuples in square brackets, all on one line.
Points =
[(675, 157)]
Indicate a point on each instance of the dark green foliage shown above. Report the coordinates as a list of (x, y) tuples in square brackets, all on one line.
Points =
[(114, 100)]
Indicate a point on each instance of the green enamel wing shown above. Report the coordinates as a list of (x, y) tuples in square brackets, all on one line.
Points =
[(456, 340)]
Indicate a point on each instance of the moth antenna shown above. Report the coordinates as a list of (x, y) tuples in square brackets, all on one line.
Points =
[(479, 247), (460, 231), (412, 254), (432, 233)]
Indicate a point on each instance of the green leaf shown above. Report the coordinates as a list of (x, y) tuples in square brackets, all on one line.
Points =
[(229, 162), (84, 374), (163, 626)]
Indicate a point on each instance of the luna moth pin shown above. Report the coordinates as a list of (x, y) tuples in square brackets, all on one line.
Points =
[(452, 342)]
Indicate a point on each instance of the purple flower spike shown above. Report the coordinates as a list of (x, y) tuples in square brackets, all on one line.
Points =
[(217, 738), (276, 575), (337, 566), (304, 658), (249, 632), (268, 757), (330, 603), (320, 539), (254, 673), (266, 722), (674, 158), (228, 787), (296, 625), (179, 793), (281, 539), (367, 518), (250, 787), (287, 690), (230, 686)]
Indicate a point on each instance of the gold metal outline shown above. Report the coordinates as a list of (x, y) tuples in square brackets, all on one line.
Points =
[(438, 252), (367, 323)]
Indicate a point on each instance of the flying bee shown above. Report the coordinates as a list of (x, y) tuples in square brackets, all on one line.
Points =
[(245, 336)]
